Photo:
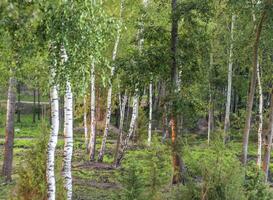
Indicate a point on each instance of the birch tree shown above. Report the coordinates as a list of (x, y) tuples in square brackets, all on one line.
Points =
[(150, 113), (123, 103), (109, 94), (92, 142), (268, 145), (68, 133), (85, 123), (125, 143), (252, 86), (230, 68), (260, 127), (50, 174)]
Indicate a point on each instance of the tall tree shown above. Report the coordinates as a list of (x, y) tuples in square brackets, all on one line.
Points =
[(68, 133), (230, 68), (92, 142), (252, 86), (177, 164), (109, 94), (8, 146), (50, 167)]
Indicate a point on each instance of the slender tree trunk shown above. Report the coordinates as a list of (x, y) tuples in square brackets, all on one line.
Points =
[(124, 144), (19, 102), (109, 94), (177, 162), (34, 106), (150, 113), (268, 145), (252, 89), (50, 167), (121, 122), (128, 113), (210, 116), (68, 140), (92, 142), (9, 139), (85, 123), (260, 128), (210, 110), (230, 68), (39, 104)]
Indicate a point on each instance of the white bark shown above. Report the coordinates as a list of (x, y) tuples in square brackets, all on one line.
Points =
[(68, 141), (122, 106), (51, 187), (92, 142), (150, 113), (124, 143), (109, 94), (210, 103), (230, 66), (260, 128), (85, 123)]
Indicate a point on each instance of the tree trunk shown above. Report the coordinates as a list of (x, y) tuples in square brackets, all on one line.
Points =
[(266, 161), (177, 168), (19, 102), (210, 116), (124, 144), (51, 188), (230, 66), (34, 106), (39, 104), (9, 139), (260, 128), (109, 94), (121, 122), (92, 142), (150, 113), (85, 123), (252, 89), (68, 140)]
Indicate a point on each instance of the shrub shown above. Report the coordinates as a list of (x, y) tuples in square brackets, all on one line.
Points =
[(214, 172)]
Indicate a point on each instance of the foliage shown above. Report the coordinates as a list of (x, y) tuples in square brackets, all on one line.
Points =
[(256, 188), (31, 183), (220, 176), (145, 172)]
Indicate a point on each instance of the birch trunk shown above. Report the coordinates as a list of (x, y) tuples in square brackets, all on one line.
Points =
[(9, 138), (252, 89), (68, 141), (150, 113), (260, 128), (121, 122), (210, 116), (51, 188), (92, 142), (124, 144), (109, 96), (268, 145), (85, 123), (230, 68)]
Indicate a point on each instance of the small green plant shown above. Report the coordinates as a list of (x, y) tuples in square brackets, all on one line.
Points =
[(255, 185)]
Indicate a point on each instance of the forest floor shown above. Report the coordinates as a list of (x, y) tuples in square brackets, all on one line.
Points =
[(90, 180)]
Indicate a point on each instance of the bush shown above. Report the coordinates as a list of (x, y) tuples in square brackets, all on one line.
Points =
[(214, 172), (256, 188), (145, 172)]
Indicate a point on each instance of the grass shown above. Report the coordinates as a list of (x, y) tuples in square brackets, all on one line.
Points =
[(26, 132)]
